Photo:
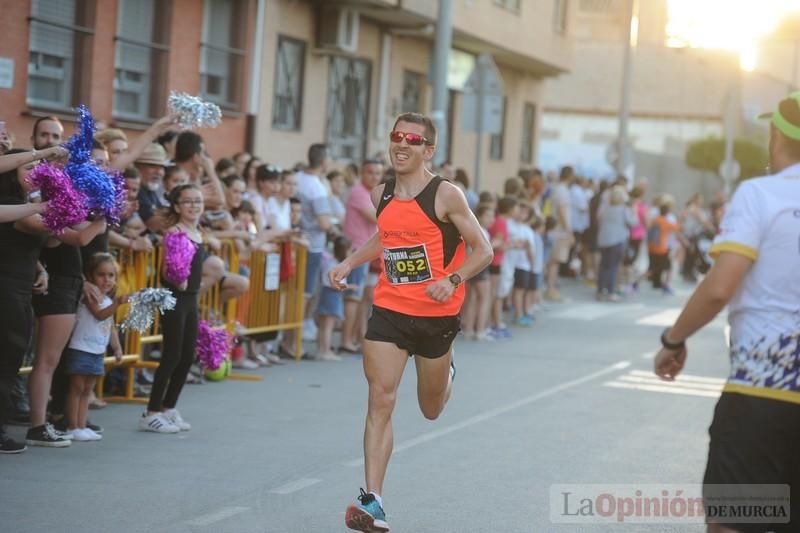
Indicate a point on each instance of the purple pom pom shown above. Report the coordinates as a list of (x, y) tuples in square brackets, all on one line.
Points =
[(179, 251), (213, 345), (66, 206)]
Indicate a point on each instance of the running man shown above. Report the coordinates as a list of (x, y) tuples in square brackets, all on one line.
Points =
[(756, 427), (423, 224)]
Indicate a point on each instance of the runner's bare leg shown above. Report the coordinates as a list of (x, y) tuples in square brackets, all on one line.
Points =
[(433, 384), (384, 363)]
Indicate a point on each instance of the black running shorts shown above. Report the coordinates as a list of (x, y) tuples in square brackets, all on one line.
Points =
[(755, 441), (426, 336)]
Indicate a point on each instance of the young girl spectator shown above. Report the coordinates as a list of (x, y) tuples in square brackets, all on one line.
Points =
[(522, 258), (174, 176), (268, 181), (539, 261), (94, 328), (499, 233), (331, 301), (179, 326), (475, 315), (279, 206)]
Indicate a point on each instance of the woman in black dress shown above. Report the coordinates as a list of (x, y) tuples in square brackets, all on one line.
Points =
[(20, 273)]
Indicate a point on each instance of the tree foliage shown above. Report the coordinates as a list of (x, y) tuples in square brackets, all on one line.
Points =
[(707, 154)]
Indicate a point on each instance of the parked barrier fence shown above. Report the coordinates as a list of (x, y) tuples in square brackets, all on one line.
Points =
[(273, 302)]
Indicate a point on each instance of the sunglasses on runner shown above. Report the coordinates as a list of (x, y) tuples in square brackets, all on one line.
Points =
[(412, 139)]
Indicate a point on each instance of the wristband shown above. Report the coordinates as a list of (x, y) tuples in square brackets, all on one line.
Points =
[(671, 345)]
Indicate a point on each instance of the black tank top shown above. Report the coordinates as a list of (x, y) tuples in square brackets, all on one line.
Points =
[(195, 274), (20, 251), (63, 260), (96, 245)]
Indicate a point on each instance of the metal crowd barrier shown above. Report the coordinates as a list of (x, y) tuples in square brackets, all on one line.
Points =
[(272, 303)]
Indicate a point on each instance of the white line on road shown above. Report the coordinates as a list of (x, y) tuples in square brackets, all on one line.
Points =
[(662, 388), (216, 516), (677, 384), (294, 486), (663, 318), (493, 413), (594, 311), (682, 377)]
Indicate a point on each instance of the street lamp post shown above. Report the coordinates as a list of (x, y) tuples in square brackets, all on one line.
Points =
[(441, 53), (625, 153)]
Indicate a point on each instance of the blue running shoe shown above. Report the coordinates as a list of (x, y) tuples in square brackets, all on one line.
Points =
[(367, 515)]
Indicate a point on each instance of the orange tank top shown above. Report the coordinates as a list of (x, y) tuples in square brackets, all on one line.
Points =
[(418, 249)]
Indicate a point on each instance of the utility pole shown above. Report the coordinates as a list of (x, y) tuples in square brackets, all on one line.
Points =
[(441, 54), (730, 170), (625, 154)]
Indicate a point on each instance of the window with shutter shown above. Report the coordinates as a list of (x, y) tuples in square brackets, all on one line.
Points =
[(223, 55), (287, 100), (140, 57), (60, 37)]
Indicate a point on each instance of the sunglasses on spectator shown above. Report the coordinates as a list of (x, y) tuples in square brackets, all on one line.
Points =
[(413, 139)]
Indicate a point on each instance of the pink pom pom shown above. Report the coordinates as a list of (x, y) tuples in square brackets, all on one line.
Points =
[(66, 206), (213, 345), (179, 251)]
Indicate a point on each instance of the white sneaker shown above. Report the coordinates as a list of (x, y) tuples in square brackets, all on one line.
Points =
[(92, 434), (328, 357), (245, 364), (485, 336), (157, 423), (309, 330), (80, 435), (174, 417)]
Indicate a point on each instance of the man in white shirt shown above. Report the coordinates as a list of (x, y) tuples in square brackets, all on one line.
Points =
[(756, 426), (315, 222), (562, 234), (579, 215)]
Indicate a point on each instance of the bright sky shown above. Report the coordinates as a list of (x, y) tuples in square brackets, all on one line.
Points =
[(735, 25)]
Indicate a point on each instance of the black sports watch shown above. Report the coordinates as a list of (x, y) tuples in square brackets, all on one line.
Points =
[(671, 345), (455, 279)]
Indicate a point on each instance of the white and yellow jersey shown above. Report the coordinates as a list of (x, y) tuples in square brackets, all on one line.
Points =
[(762, 223)]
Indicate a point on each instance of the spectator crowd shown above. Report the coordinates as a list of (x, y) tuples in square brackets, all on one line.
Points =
[(60, 291)]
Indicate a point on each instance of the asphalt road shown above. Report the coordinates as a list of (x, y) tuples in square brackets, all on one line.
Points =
[(571, 400)]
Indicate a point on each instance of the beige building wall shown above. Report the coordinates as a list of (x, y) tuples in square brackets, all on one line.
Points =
[(281, 147), (479, 26), (520, 88), (671, 84)]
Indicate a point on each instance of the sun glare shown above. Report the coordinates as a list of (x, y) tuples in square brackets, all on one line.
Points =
[(736, 25)]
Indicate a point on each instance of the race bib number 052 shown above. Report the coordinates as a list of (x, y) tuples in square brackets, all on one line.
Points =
[(406, 265)]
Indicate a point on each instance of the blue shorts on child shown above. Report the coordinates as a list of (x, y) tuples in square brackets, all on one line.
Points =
[(83, 363), (331, 303)]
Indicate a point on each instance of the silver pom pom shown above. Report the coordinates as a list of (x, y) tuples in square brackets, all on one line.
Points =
[(144, 305), (194, 112)]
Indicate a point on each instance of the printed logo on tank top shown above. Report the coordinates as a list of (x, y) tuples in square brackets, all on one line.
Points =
[(408, 264)]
